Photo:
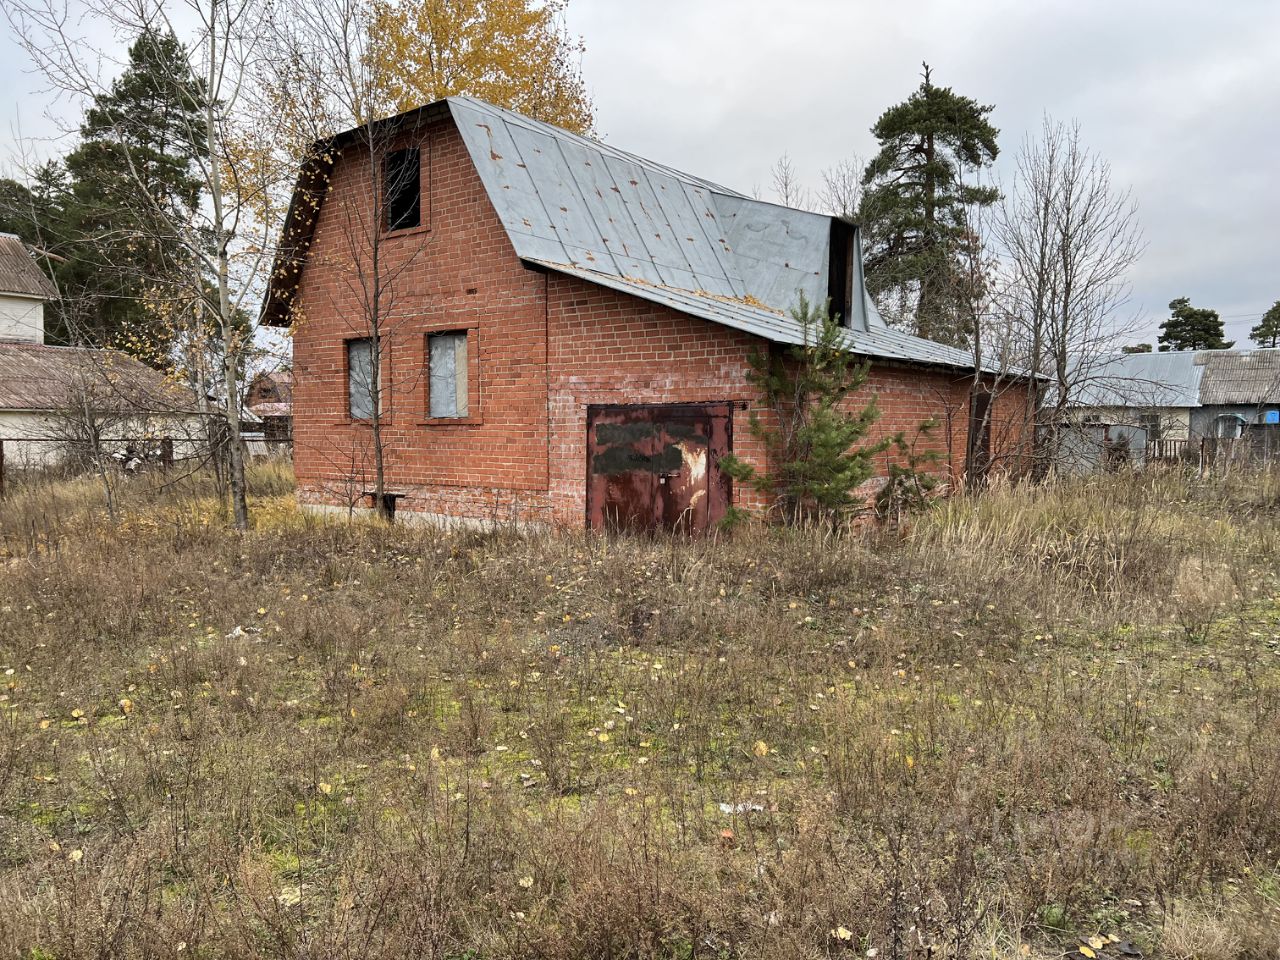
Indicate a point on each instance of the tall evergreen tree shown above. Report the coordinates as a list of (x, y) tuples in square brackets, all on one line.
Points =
[(133, 171), (1267, 333), (914, 212), (1192, 328)]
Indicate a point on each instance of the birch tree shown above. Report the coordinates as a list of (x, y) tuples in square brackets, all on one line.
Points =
[(1069, 237), (227, 236), (326, 74)]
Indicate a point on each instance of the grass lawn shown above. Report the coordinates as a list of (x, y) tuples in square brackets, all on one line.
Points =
[(1041, 715)]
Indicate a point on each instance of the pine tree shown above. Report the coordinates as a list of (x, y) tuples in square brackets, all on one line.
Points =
[(816, 462), (914, 210), (1192, 328), (1267, 333), (133, 171)]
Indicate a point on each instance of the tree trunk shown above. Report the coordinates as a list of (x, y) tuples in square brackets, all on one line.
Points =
[(226, 312)]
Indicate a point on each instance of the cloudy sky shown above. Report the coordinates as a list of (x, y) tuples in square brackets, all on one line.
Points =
[(1182, 98)]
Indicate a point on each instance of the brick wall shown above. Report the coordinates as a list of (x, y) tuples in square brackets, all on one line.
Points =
[(456, 272), (607, 347), (543, 347)]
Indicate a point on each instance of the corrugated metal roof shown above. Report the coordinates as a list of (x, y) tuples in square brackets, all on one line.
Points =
[(569, 200), (1184, 378), (769, 324), (587, 209), (38, 377), (1142, 380), (1240, 376), (19, 273)]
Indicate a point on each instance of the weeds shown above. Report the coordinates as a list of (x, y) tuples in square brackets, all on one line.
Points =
[(1043, 713)]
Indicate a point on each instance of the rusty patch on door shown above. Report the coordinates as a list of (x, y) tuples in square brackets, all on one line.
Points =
[(657, 467)]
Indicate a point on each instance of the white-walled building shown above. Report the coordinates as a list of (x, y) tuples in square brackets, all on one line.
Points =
[(51, 397), (24, 290)]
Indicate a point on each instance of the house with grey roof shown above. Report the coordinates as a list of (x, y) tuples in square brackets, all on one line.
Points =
[(1186, 395), (24, 290), (52, 396), (564, 330)]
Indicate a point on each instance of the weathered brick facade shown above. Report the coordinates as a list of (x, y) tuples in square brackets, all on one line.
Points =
[(542, 347)]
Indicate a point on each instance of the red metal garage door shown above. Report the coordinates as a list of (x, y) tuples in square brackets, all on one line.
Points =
[(657, 467)]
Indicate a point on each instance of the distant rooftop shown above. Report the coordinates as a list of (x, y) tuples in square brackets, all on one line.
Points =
[(1185, 378), (35, 377), (19, 273)]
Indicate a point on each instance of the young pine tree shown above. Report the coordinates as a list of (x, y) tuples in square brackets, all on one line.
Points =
[(816, 458)]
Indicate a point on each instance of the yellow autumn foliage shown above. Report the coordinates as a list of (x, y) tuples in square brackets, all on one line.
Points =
[(513, 53)]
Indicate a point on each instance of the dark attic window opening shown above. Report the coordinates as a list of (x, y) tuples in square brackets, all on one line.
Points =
[(841, 272), (402, 189)]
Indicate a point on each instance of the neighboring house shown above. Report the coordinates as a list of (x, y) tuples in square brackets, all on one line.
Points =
[(269, 398), (55, 398), (1186, 395), (568, 328), (24, 290)]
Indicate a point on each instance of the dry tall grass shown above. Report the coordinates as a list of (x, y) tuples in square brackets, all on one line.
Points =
[(1047, 713)]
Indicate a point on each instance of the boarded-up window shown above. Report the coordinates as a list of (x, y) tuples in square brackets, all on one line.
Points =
[(360, 378), (447, 356), (402, 189)]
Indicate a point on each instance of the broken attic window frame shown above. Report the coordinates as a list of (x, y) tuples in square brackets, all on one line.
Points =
[(841, 271), (402, 189)]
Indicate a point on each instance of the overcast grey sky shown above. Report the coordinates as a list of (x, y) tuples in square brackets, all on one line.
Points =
[(1183, 99)]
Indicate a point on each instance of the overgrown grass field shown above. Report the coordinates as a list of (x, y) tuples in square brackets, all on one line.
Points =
[(1040, 714)]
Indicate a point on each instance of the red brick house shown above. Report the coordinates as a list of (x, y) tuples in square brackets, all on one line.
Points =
[(564, 328)]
